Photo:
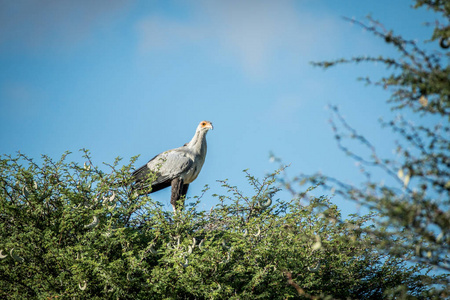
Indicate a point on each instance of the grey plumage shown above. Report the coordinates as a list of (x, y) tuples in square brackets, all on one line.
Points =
[(176, 168)]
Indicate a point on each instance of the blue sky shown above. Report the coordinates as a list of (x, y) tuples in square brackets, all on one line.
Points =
[(122, 78)]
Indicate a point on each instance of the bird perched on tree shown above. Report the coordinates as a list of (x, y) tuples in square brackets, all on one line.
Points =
[(176, 168)]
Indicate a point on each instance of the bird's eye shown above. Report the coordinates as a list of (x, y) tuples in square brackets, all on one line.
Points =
[(203, 123)]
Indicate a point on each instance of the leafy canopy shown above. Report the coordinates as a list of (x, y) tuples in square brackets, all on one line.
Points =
[(70, 230)]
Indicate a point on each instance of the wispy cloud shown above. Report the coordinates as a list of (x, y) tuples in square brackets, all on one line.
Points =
[(37, 24), (255, 31), (159, 33)]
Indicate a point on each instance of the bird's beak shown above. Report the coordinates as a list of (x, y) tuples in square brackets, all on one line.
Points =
[(209, 125)]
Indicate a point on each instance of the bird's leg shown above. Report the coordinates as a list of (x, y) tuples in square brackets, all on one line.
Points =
[(184, 191), (177, 192)]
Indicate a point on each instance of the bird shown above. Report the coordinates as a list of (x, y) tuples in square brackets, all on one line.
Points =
[(176, 168)]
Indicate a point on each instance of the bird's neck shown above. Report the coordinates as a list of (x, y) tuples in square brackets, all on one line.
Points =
[(198, 142)]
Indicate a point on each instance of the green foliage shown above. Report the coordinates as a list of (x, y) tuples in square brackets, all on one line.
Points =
[(75, 231), (412, 196)]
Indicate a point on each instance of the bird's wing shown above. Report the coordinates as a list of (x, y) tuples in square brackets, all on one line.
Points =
[(170, 164), (167, 166)]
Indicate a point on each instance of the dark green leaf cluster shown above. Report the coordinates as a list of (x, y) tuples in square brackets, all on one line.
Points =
[(74, 231)]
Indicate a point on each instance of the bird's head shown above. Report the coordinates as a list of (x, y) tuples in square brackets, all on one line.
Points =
[(205, 125)]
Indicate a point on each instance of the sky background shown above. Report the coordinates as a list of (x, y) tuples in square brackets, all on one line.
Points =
[(123, 78)]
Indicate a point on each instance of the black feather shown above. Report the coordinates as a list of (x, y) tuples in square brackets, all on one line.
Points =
[(141, 175)]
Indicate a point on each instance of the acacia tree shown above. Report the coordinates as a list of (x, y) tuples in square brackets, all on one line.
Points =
[(413, 204), (74, 231)]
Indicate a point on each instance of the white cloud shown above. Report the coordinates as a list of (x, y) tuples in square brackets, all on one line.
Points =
[(157, 33), (36, 24), (255, 31)]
